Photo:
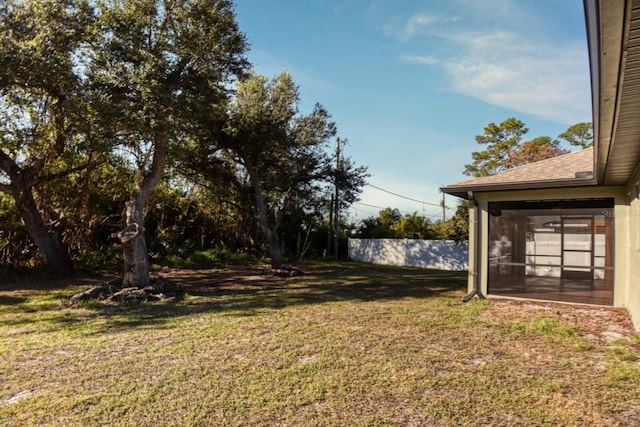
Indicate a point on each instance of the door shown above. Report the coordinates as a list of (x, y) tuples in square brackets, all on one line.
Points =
[(578, 247)]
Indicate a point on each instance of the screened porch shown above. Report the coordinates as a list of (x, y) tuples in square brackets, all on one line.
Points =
[(552, 250)]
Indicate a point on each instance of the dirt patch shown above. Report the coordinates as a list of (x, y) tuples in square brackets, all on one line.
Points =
[(231, 277), (592, 322)]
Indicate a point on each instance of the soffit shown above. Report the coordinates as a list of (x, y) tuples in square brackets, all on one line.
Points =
[(618, 111)]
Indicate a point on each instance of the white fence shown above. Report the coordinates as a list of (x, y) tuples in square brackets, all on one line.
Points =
[(438, 254)]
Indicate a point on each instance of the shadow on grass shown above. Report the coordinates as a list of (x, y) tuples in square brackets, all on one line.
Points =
[(250, 294), (40, 281), (251, 291), (11, 300)]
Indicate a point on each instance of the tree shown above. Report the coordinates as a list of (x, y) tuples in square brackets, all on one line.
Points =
[(457, 228), (502, 142), (414, 226), (505, 149), (81, 206), (384, 226), (42, 107), (537, 149), (579, 135), (348, 181), (351, 180), (160, 70), (222, 189), (281, 153)]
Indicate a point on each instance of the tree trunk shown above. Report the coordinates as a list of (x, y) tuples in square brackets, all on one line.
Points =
[(271, 235), (55, 257), (276, 252), (330, 230), (134, 246)]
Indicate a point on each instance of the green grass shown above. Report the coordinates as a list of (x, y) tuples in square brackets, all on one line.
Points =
[(347, 344)]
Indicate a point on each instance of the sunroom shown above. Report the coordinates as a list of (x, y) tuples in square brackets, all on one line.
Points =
[(543, 231), (568, 228), (555, 250)]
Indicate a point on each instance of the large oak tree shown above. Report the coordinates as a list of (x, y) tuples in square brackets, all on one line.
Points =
[(282, 153), (42, 107), (161, 70)]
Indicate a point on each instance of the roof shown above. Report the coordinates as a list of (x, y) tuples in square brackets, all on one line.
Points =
[(613, 30), (572, 169)]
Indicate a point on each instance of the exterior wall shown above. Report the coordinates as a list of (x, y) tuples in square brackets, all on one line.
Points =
[(631, 266), (622, 282), (624, 268), (473, 248), (437, 254)]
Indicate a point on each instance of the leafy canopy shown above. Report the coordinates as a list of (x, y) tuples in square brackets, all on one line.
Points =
[(505, 148)]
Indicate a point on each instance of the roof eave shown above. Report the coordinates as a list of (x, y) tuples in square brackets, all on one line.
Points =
[(462, 191), (606, 28)]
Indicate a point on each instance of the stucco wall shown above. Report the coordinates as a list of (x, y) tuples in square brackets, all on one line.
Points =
[(631, 219), (438, 254)]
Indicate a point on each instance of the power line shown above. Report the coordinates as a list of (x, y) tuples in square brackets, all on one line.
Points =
[(371, 206), (405, 197), (356, 211), (380, 207)]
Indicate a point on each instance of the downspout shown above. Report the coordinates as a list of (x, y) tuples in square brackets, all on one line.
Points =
[(476, 253)]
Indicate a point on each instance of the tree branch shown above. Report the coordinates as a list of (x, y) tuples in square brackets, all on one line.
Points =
[(161, 148), (7, 164), (54, 176), (7, 189)]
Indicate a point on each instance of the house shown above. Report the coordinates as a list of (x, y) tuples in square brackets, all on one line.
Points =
[(568, 228)]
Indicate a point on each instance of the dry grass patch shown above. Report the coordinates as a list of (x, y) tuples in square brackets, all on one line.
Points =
[(346, 344)]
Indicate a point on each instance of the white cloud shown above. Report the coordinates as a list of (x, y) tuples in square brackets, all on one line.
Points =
[(512, 68), (550, 82), (415, 25), (420, 59)]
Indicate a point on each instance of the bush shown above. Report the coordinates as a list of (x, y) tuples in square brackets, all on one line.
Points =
[(107, 258)]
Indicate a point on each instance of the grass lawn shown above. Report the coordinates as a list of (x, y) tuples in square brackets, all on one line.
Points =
[(346, 344)]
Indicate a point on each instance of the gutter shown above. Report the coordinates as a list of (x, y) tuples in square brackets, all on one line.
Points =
[(476, 253)]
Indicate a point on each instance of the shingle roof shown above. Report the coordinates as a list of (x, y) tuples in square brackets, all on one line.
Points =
[(534, 175)]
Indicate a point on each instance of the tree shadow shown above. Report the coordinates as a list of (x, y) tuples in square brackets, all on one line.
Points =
[(247, 291), (44, 281), (252, 291), (11, 300)]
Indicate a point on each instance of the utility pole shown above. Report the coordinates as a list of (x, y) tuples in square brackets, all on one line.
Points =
[(330, 230), (336, 222)]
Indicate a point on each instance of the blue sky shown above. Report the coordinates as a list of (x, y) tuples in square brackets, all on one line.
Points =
[(411, 83)]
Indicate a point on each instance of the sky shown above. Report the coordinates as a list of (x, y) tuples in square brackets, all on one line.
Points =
[(410, 83)]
